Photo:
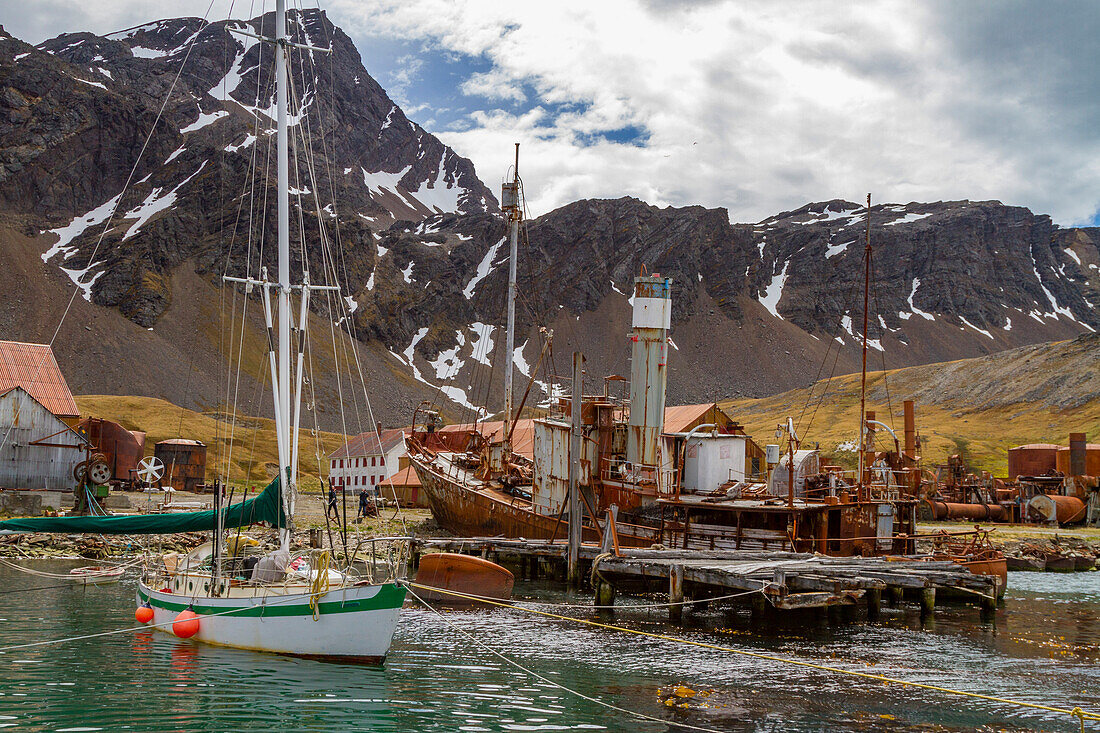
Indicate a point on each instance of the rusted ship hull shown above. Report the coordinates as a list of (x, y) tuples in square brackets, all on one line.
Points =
[(469, 512)]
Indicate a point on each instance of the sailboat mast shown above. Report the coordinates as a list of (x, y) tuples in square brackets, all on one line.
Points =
[(863, 371), (514, 214), (283, 199)]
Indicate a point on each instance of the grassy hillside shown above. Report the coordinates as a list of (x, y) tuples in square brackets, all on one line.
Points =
[(250, 451), (975, 407)]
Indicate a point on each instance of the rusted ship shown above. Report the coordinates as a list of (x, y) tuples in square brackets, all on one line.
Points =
[(709, 487)]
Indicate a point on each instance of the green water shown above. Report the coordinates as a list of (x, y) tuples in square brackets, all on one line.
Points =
[(1043, 646)]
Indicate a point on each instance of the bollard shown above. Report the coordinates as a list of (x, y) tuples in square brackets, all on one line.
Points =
[(676, 593), (315, 538)]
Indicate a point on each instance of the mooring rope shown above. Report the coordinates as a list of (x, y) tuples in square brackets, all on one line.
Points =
[(1076, 712), (56, 576), (542, 678)]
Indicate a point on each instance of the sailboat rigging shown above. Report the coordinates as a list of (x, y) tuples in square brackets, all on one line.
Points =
[(285, 602)]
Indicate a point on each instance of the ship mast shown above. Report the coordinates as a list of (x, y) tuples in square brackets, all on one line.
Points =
[(512, 207), (863, 370), (282, 405)]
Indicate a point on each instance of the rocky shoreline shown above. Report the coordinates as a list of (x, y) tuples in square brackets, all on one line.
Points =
[(1055, 553)]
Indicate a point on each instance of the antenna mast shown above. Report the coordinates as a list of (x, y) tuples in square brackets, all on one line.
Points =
[(510, 198)]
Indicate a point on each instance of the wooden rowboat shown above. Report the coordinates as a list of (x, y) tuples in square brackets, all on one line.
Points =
[(96, 574), (461, 574)]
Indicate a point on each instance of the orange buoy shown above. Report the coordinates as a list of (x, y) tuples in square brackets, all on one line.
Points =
[(144, 613), (186, 624)]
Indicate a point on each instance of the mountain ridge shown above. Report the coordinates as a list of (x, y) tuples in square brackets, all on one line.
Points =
[(758, 307)]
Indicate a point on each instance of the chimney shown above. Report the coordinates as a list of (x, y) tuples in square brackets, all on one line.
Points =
[(648, 367), (378, 428), (910, 431), (1077, 448)]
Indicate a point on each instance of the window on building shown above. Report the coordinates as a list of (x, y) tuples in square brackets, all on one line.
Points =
[(372, 480), (372, 458)]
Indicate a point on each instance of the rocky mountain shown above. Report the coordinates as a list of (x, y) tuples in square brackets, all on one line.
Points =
[(145, 225)]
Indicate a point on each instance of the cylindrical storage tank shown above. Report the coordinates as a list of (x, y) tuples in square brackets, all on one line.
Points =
[(1033, 459), (1051, 508), (123, 448), (184, 463), (1092, 460)]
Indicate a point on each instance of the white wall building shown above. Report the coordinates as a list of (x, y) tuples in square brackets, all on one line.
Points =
[(366, 461)]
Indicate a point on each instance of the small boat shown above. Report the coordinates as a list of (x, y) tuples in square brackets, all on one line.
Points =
[(96, 574), (1025, 562), (462, 574)]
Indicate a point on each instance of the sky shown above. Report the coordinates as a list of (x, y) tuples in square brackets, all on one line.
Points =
[(755, 106)]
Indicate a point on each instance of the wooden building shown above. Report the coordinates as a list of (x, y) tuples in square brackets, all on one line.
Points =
[(37, 449)]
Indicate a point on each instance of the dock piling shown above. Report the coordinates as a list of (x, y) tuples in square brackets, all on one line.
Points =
[(927, 602), (676, 593), (874, 603)]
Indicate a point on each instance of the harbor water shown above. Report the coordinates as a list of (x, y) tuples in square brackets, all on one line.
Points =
[(505, 670)]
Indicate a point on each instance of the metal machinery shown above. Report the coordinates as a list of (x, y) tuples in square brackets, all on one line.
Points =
[(120, 449)]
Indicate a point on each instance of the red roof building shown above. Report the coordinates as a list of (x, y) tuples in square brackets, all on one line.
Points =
[(366, 460), (33, 367)]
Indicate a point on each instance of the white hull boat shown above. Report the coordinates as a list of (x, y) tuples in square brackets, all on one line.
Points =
[(352, 624)]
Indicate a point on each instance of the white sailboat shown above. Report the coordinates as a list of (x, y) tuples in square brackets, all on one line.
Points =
[(285, 604)]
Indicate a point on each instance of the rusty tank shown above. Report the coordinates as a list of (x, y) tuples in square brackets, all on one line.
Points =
[(122, 449), (1033, 459), (184, 463), (1056, 508)]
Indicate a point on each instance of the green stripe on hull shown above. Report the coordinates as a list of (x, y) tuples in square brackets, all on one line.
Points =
[(389, 596)]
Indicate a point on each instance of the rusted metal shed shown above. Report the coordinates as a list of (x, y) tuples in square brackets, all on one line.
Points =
[(40, 451), (184, 463), (33, 367), (1033, 459), (121, 448)]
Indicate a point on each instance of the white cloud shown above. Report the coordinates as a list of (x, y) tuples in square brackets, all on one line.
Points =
[(758, 107), (755, 106)]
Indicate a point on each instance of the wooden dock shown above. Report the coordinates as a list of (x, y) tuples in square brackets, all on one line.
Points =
[(780, 580)]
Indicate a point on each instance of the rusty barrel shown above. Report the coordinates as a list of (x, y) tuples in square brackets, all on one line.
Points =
[(1055, 508)]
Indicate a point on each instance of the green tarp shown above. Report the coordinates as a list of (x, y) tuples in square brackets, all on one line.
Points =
[(266, 508)]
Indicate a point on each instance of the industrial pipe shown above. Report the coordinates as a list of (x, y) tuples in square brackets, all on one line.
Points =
[(970, 512)]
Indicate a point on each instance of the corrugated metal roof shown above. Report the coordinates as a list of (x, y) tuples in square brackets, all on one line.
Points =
[(33, 367), (181, 441), (407, 477), (1036, 446), (523, 437), (679, 418), (366, 444)]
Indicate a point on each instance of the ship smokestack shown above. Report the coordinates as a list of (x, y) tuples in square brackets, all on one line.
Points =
[(648, 367)]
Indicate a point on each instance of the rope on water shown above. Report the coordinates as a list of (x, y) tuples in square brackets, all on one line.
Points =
[(542, 678), (1075, 712), (69, 576)]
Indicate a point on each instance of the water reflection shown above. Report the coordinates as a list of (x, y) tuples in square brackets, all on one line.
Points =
[(1042, 646)]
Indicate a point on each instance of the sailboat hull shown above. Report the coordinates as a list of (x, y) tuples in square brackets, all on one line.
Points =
[(354, 624)]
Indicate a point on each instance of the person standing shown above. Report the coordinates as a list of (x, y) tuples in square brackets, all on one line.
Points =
[(363, 501), (332, 508)]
